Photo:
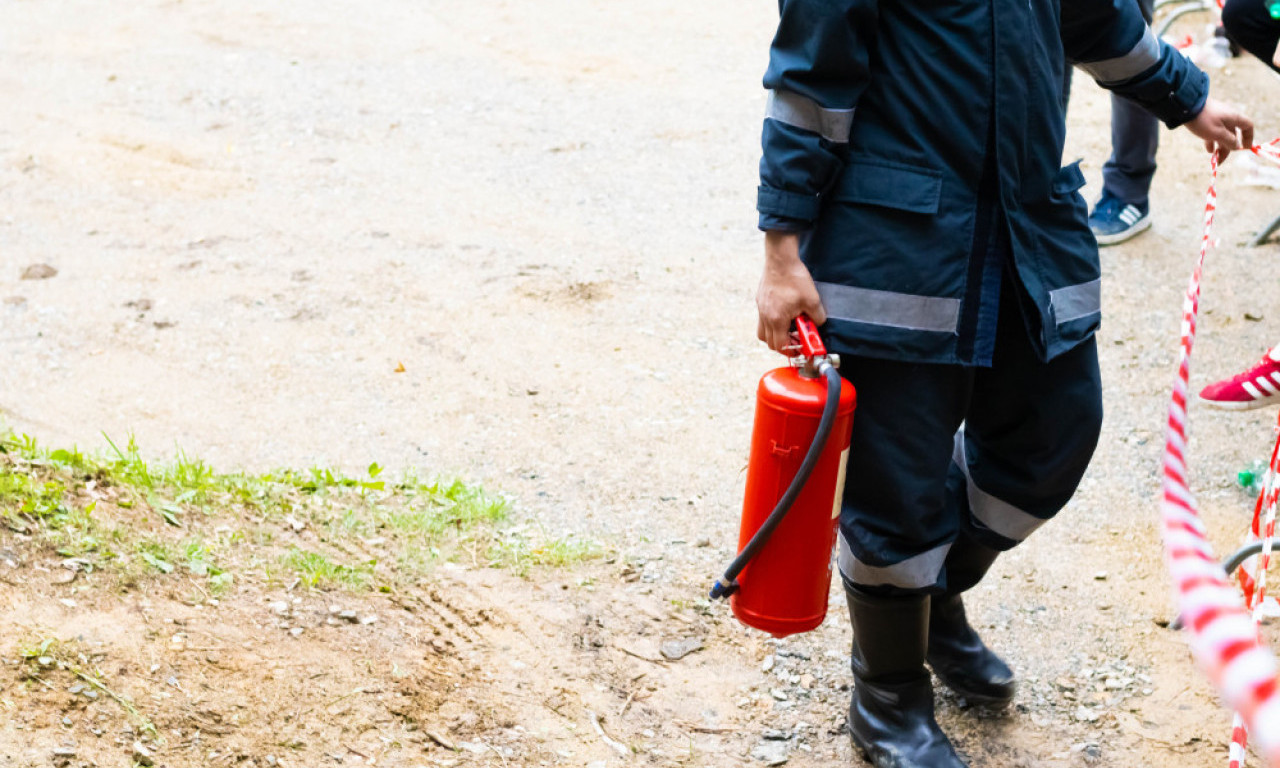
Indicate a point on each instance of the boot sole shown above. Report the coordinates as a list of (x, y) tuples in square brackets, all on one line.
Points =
[(971, 696), (978, 699), (864, 750)]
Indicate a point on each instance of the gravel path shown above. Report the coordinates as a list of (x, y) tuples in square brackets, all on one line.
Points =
[(516, 242)]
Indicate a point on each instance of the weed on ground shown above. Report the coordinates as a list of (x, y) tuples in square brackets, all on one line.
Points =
[(316, 527)]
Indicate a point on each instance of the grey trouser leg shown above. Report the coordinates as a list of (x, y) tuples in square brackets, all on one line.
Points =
[(1135, 136)]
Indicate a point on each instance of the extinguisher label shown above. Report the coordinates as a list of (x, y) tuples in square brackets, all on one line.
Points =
[(835, 505)]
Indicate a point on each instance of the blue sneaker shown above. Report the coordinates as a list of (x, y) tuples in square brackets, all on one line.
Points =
[(1114, 221)]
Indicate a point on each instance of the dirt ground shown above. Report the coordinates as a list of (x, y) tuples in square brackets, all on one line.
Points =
[(515, 242)]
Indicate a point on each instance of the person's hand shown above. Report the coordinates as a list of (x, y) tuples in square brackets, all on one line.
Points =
[(1219, 125), (786, 290), (1275, 57)]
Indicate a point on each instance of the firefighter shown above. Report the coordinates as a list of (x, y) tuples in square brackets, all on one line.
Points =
[(913, 202)]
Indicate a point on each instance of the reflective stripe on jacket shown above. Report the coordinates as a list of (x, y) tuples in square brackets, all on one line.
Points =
[(876, 137)]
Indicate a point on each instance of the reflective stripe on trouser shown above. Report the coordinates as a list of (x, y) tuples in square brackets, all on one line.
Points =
[(942, 449), (985, 510)]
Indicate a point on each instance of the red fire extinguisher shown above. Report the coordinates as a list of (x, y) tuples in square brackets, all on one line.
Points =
[(795, 477)]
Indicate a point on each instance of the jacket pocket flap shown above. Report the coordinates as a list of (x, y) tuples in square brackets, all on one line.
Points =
[(1068, 180), (904, 188)]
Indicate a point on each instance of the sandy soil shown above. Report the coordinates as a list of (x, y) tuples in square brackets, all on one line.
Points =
[(543, 213)]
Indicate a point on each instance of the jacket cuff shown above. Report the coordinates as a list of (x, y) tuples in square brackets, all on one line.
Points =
[(779, 203), (771, 223), (1174, 91), (1185, 101)]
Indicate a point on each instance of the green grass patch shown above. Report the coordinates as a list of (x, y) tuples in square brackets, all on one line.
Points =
[(434, 510), (521, 553), (319, 571), (156, 555), (26, 494), (183, 519)]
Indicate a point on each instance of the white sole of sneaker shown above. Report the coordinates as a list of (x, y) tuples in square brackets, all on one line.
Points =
[(1139, 226), (1238, 406)]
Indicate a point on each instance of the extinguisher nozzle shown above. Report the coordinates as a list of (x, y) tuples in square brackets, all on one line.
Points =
[(722, 590)]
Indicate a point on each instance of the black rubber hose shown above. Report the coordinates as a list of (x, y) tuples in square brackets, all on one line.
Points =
[(727, 584), (1244, 553), (1229, 565)]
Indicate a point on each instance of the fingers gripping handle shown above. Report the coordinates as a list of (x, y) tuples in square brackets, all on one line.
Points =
[(806, 332)]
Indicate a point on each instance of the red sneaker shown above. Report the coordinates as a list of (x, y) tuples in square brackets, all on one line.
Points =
[(1256, 387)]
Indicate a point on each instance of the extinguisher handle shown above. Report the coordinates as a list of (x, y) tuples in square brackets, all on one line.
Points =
[(811, 345)]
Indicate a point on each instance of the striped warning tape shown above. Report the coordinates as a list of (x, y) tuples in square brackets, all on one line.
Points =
[(1224, 639), (1253, 579), (1247, 573)]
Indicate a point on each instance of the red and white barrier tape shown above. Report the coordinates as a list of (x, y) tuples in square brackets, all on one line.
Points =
[(1253, 579), (1247, 574), (1224, 639), (1269, 151), (1252, 574)]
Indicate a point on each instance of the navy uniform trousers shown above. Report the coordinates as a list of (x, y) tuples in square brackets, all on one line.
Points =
[(941, 451)]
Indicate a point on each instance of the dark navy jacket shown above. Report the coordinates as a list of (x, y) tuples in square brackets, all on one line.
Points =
[(883, 116)]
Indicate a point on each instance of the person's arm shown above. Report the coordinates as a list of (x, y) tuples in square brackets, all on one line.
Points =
[(818, 68), (1109, 40)]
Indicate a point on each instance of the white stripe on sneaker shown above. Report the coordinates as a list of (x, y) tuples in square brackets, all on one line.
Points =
[(1265, 383), (1139, 226), (1128, 216), (1275, 375), (1252, 390)]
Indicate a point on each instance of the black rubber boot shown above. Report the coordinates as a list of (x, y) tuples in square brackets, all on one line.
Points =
[(891, 715), (957, 654)]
